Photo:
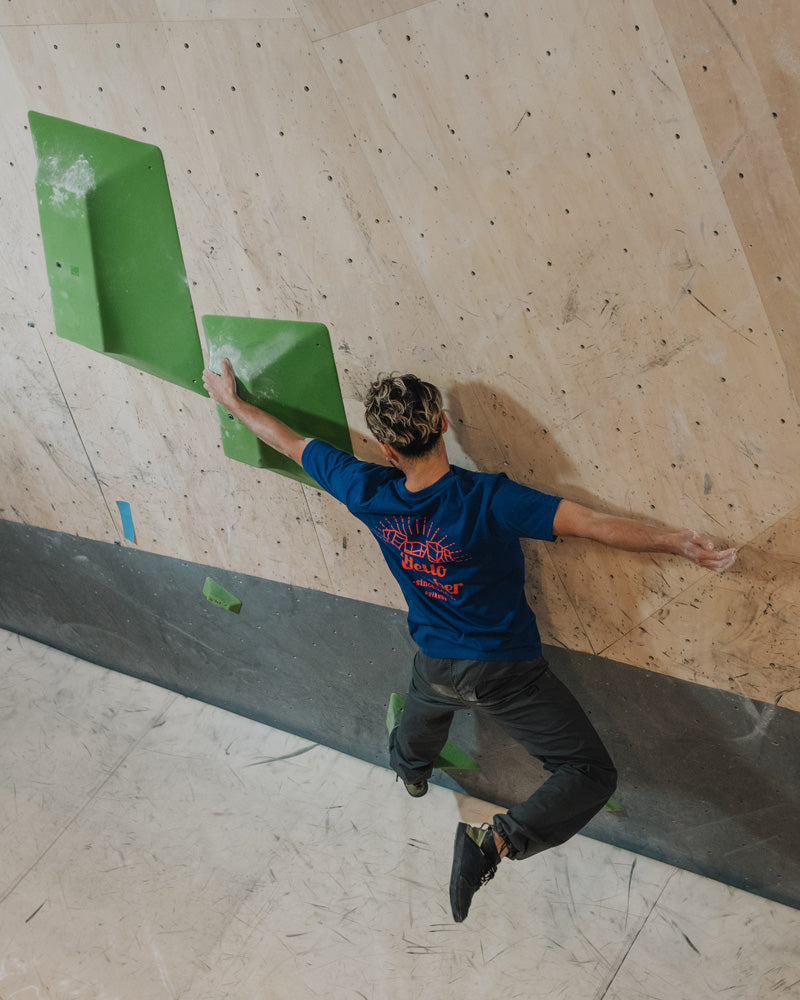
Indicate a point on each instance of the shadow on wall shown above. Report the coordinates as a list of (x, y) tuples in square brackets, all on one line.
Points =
[(526, 449), (528, 453)]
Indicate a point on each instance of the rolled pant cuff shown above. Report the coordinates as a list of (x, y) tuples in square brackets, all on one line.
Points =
[(407, 772), (413, 776), (521, 845)]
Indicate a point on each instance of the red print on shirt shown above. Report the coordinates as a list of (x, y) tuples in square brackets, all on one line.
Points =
[(427, 555)]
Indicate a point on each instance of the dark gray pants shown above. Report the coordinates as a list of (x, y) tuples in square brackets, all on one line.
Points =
[(538, 711)]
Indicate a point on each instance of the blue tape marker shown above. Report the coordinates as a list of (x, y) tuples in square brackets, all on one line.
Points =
[(127, 520)]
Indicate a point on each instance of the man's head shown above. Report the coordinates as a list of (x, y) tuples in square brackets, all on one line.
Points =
[(406, 414)]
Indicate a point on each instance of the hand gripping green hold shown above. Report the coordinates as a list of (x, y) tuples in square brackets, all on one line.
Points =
[(285, 367)]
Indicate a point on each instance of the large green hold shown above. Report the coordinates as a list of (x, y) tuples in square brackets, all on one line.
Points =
[(111, 245), (286, 368)]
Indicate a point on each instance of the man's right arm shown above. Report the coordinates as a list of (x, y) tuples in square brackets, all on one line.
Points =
[(278, 435)]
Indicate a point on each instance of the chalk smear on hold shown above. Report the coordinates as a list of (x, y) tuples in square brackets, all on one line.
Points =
[(248, 365), (69, 184)]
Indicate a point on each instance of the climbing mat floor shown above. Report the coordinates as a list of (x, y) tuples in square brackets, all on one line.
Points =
[(156, 846)]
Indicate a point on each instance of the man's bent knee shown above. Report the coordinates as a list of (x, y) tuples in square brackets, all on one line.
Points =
[(606, 777)]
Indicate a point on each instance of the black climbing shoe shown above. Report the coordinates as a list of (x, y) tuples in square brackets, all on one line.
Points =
[(475, 861)]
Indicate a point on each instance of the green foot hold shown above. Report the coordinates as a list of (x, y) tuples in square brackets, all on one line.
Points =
[(450, 759), (217, 594)]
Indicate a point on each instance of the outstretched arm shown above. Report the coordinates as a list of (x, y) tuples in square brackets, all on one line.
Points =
[(577, 521), (275, 433)]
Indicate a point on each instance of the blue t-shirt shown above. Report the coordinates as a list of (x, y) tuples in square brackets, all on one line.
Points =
[(453, 548)]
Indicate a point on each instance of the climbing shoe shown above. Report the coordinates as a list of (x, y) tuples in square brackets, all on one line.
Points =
[(416, 789), (475, 860)]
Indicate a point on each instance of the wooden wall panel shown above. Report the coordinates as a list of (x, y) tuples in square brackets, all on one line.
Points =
[(591, 275), (740, 632), (739, 66), (225, 10), (47, 476), (306, 250), (536, 206), (151, 443), (323, 18), (39, 12)]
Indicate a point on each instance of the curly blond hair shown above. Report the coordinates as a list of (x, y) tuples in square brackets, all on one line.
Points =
[(405, 412)]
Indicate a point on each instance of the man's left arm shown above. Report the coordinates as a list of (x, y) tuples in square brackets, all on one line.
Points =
[(576, 521)]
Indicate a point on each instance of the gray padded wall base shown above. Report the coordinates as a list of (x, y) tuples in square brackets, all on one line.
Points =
[(709, 781), (296, 659)]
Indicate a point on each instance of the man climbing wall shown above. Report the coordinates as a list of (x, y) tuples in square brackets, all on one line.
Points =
[(451, 539)]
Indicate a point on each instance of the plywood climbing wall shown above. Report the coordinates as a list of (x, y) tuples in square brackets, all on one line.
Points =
[(579, 219)]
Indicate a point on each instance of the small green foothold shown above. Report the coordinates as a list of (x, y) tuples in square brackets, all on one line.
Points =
[(217, 594), (451, 758), (612, 806), (395, 710)]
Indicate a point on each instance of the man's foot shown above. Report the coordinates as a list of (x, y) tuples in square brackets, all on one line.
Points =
[(475, 860), (416, 788)]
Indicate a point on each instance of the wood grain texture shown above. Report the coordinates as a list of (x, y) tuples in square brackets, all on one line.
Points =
[(41, 12), (738, 632), (323, 18), (740, 68)]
